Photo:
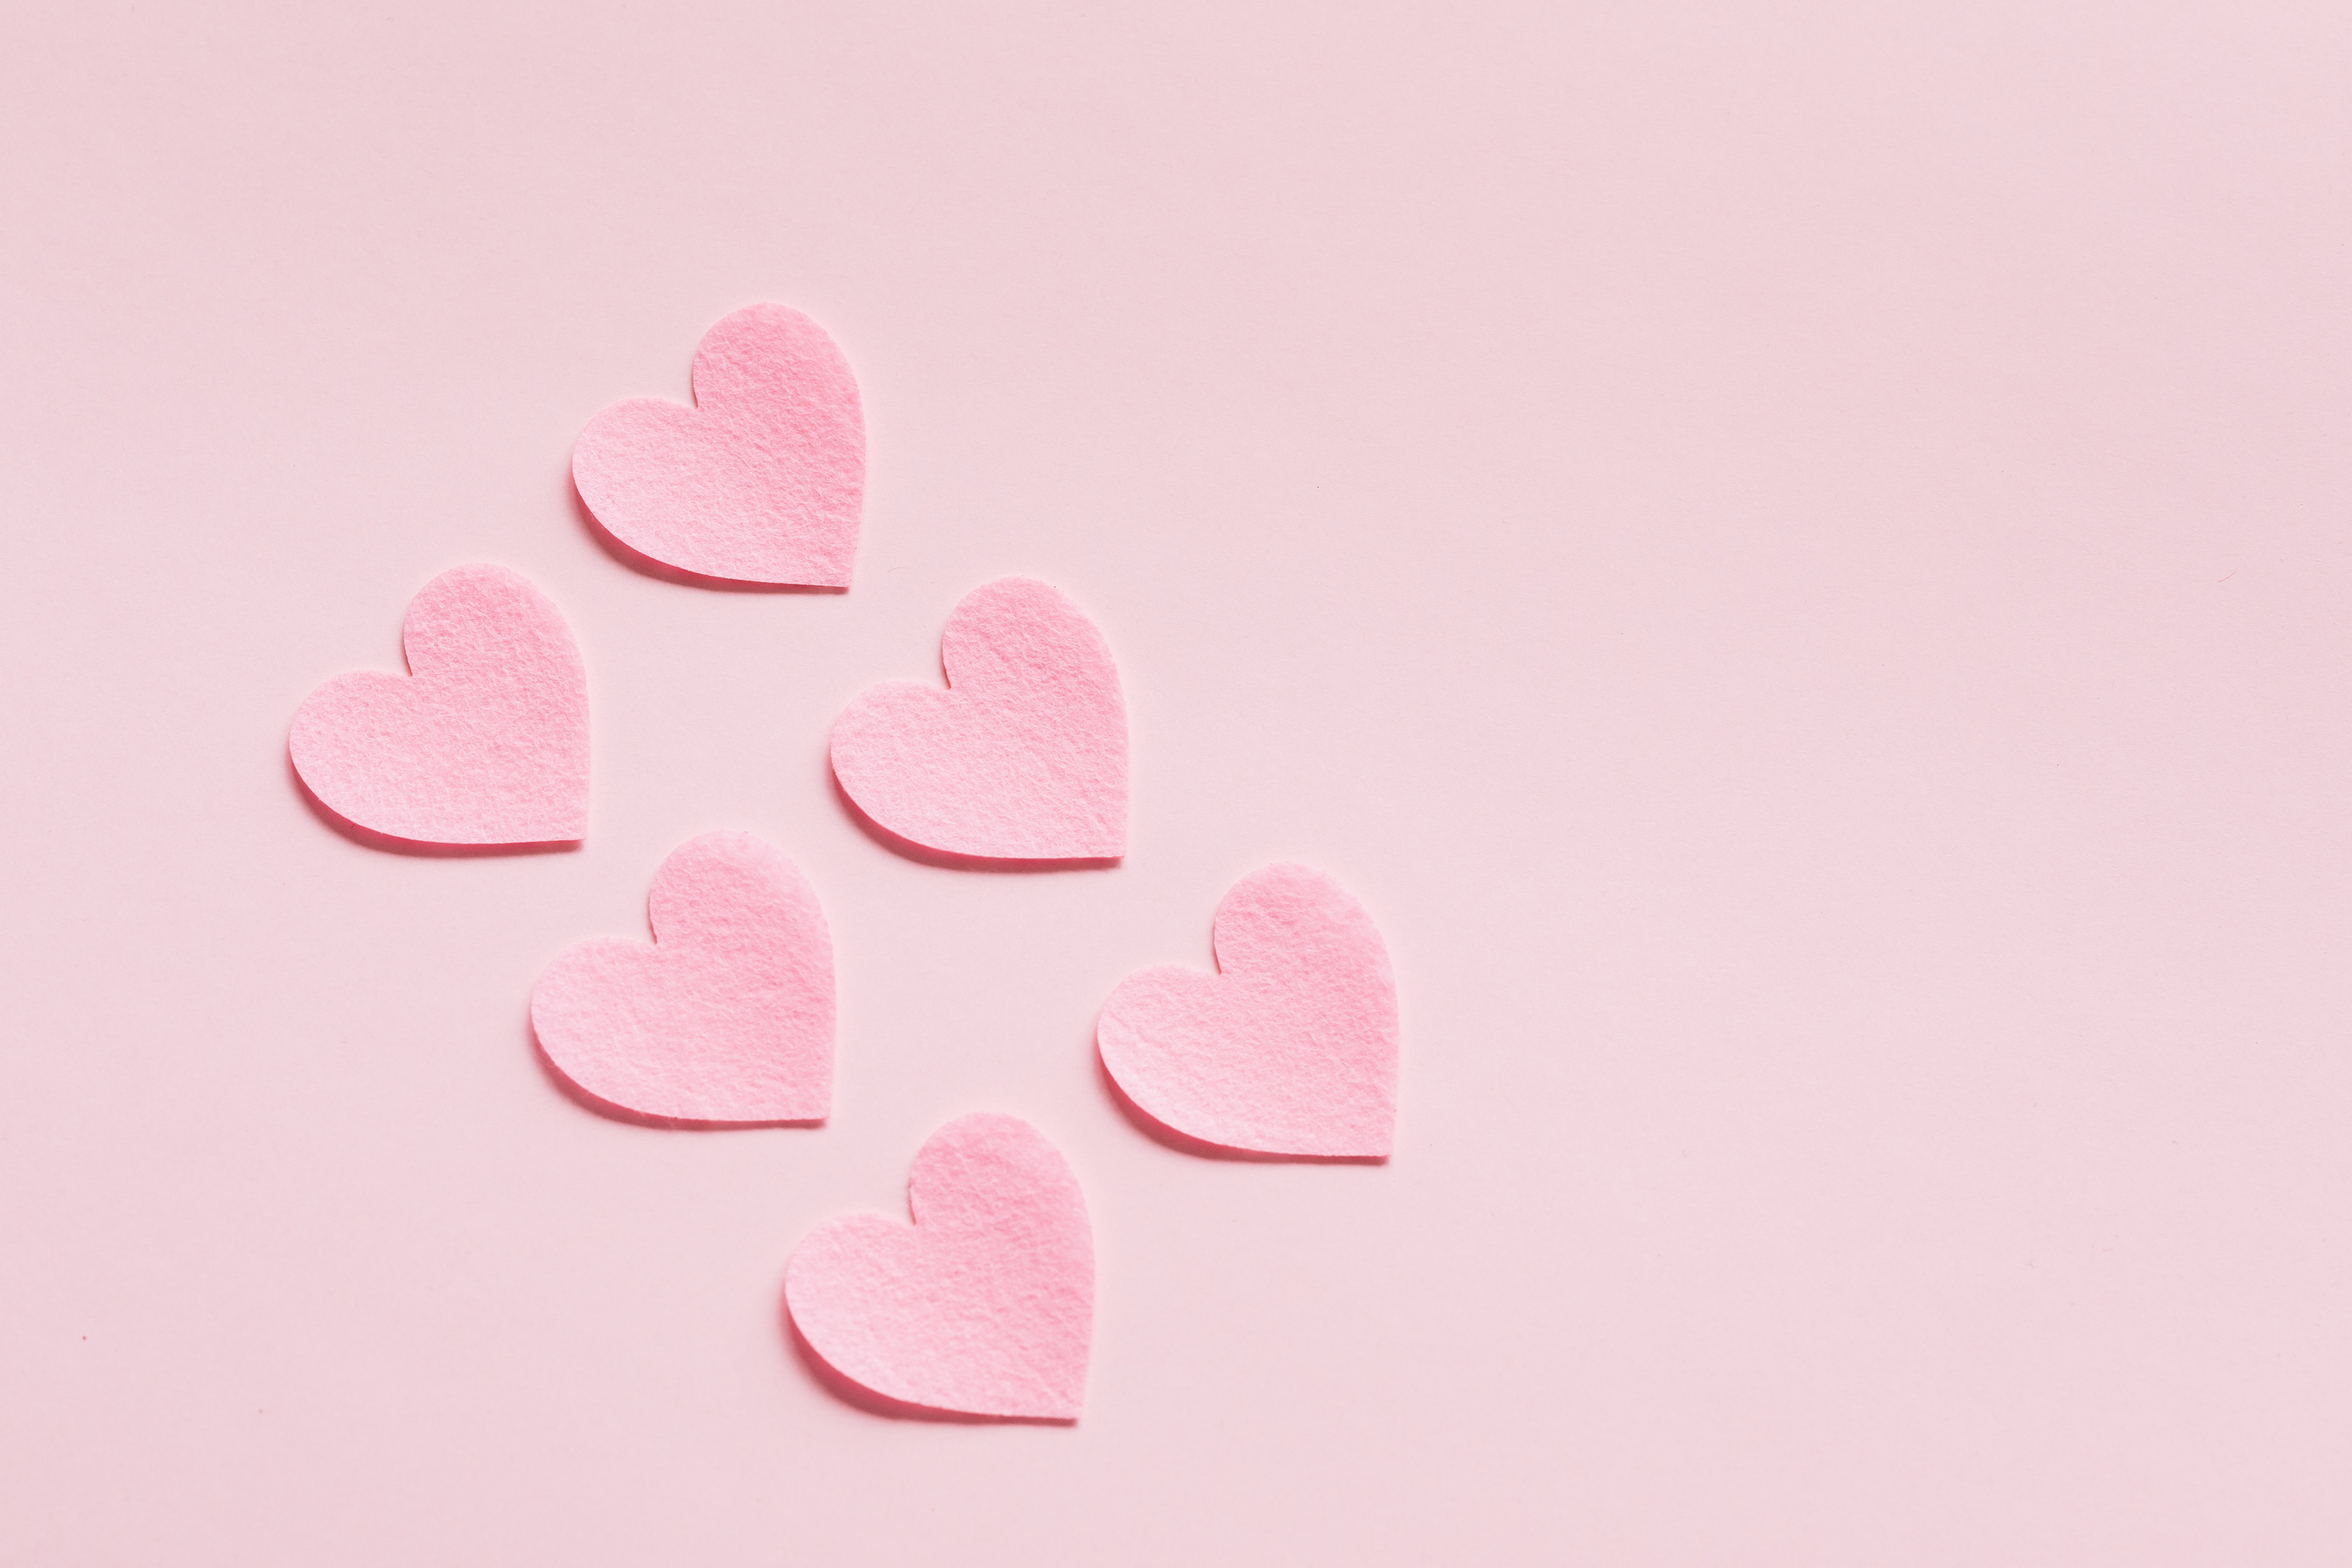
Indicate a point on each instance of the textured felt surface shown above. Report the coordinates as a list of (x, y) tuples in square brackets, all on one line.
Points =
[(729, 1016), (1290, 1049), (1022, 757), (760, 481), (486, 740), (986, 1305)]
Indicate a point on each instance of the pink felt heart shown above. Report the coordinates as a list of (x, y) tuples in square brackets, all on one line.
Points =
[(760, 481), (727, 1017), (986, 1305), (1023, 758), (1291, 1049), (485, 742)]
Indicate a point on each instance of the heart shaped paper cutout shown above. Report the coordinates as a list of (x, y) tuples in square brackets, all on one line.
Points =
[(986, 1305), (760, 481), (486, 740), (727, 1016), (1291, 1049), (1024, 757)]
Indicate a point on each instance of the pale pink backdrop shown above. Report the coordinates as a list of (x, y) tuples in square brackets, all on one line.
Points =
[(1795, 555)]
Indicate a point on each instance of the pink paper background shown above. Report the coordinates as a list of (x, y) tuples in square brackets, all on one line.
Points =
[(1794, 555)]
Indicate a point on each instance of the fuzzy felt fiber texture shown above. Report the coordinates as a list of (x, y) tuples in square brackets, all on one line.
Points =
[(763, 481), (1021, 757), (727, 1016), (985, 1306), (484, 742), (1291, 1049)]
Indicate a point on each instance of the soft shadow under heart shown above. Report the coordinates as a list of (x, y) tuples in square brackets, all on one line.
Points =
[(588, 1099), (924, 854), (368, 837), (853, 1393), (1159, 1131), (636, 560)]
